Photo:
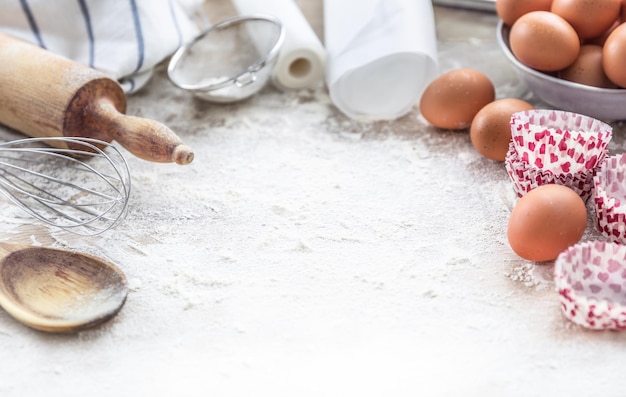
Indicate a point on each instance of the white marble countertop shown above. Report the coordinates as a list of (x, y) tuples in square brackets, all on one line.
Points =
[(306, 254)]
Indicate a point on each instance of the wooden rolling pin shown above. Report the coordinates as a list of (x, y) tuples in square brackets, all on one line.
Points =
[(46, 95)]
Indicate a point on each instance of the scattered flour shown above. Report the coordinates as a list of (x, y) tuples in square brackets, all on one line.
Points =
[(303, 253)]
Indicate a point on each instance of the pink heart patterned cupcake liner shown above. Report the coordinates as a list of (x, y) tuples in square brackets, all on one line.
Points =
[(553, 146), (559, 141), (590, 278), (609, 198), (525, 178)]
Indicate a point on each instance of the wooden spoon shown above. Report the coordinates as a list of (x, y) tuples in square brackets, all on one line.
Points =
[(54, 290)]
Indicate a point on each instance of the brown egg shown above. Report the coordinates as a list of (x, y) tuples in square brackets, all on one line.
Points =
[(452, 100), (614, 56), (510, 10), (587, 68), (589, 18), (490, 131), (544, 41), (602, 38), (545, 221)]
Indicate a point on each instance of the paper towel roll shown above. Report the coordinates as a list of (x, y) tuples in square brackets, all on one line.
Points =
[(382, 60), (302, 59)]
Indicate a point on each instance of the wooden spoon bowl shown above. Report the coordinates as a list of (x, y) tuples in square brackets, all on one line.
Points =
[(59, 291)]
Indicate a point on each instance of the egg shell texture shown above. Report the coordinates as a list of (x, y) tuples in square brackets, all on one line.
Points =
[(587, 68), (453, 99), (544, 41), (510, 10), (546, 221), (614, 56), (490, 132), (589, 18)]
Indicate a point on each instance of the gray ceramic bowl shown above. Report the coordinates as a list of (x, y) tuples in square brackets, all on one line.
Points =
[(600, 103)]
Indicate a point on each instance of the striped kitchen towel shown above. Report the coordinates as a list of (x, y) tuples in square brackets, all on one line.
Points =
[(123, 38)]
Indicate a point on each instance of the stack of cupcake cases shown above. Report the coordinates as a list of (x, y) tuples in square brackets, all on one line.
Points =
[(591, 276), (553, 146), (609, 193)]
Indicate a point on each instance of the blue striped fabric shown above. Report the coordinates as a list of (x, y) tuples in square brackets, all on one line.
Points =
[(124, 38), (31, 21), (139, 33), (85, 11), (175, 21)]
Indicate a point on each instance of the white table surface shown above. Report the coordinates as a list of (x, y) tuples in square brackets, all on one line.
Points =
[(306, 254)]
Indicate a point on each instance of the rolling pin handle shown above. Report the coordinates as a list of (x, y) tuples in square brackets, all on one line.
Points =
[(183, 155), (145, 138)]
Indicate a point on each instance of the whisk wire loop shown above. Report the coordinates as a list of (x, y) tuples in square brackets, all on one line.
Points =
[(78, 184)]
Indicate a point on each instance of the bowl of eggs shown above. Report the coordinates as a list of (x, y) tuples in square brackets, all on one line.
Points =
[(565, 66)]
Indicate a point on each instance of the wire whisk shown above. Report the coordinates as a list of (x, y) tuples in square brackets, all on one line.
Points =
[(81, 185)]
